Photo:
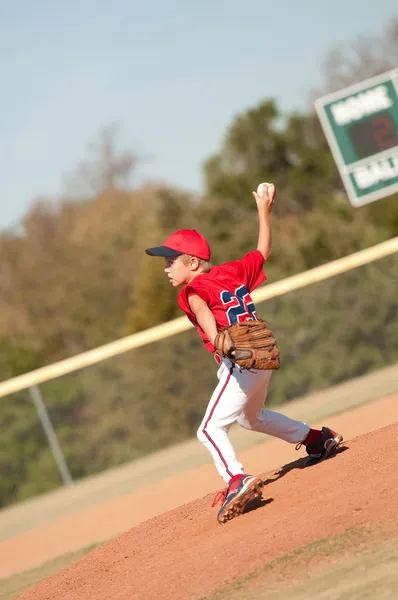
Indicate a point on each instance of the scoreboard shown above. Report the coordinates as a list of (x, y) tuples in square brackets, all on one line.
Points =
[(361, 125)]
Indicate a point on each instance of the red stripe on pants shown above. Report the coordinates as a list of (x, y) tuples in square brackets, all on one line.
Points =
[(207, 422)]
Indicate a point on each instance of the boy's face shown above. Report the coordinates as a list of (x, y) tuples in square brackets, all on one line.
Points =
[(179, 271)]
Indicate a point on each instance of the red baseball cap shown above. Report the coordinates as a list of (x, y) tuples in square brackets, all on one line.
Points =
[(184, 241)]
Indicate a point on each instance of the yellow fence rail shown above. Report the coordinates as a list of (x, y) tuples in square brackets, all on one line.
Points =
[(175, 326)]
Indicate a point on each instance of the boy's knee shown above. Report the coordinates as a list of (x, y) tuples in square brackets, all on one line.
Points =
[(243, 421), (208, 433), (252, 421), (200, 434)]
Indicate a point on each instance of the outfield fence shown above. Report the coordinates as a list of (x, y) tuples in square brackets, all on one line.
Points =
[(119, 380), (175, 326)]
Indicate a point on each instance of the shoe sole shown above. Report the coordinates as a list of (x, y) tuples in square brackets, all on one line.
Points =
[(332, 447), (328, 452), (238, 504)]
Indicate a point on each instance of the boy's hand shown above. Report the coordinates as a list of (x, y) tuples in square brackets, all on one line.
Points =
[(266, 201)]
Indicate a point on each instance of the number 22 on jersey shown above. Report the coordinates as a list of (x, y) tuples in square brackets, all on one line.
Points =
[(241, 306)]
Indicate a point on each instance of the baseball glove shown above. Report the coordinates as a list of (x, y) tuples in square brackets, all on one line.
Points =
[(251, 345)]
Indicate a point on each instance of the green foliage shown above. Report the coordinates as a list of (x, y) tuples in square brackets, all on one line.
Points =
[(17, 356), (253, 149), (153, 297), (334, 330), (26, 462)]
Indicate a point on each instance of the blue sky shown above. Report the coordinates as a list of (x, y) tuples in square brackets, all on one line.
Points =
[(172, 74)]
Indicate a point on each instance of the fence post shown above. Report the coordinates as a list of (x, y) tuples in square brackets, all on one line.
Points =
[(50, 434)]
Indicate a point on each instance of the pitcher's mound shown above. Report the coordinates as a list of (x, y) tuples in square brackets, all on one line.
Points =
[(185, 553)]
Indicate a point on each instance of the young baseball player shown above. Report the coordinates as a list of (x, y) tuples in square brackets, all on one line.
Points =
[(214, 297)]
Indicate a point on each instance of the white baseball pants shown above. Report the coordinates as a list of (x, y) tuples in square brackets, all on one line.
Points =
[(240, 396)]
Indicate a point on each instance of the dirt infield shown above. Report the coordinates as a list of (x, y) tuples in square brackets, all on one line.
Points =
[(107, 519), (106, 504), (184, 553)]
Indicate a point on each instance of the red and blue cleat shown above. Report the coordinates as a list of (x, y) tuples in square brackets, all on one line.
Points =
[(325, 447), (240, 491)]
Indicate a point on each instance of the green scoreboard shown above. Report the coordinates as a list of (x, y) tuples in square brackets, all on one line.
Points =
[(361, 125)]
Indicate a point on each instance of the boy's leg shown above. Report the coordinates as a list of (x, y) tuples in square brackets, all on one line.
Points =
[(257, 418), (319, 443), (225, 406)]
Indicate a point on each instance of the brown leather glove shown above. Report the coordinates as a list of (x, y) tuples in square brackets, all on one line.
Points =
[(251, 345)]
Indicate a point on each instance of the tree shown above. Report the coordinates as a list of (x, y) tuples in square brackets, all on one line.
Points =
[(106, 167), (153, 298), (356, 60), (253, 150)]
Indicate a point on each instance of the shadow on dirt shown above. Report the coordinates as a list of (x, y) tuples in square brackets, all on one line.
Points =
[(259, 502), (256, 503), (298, 464)]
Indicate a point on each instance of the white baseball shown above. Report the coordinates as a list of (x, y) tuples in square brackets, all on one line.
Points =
[(260, 188)]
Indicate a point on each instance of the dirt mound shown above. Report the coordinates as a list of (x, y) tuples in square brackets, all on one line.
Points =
[(185, 554)]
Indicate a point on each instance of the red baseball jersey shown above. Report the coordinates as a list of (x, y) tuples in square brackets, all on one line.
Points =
[(226, 290)]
